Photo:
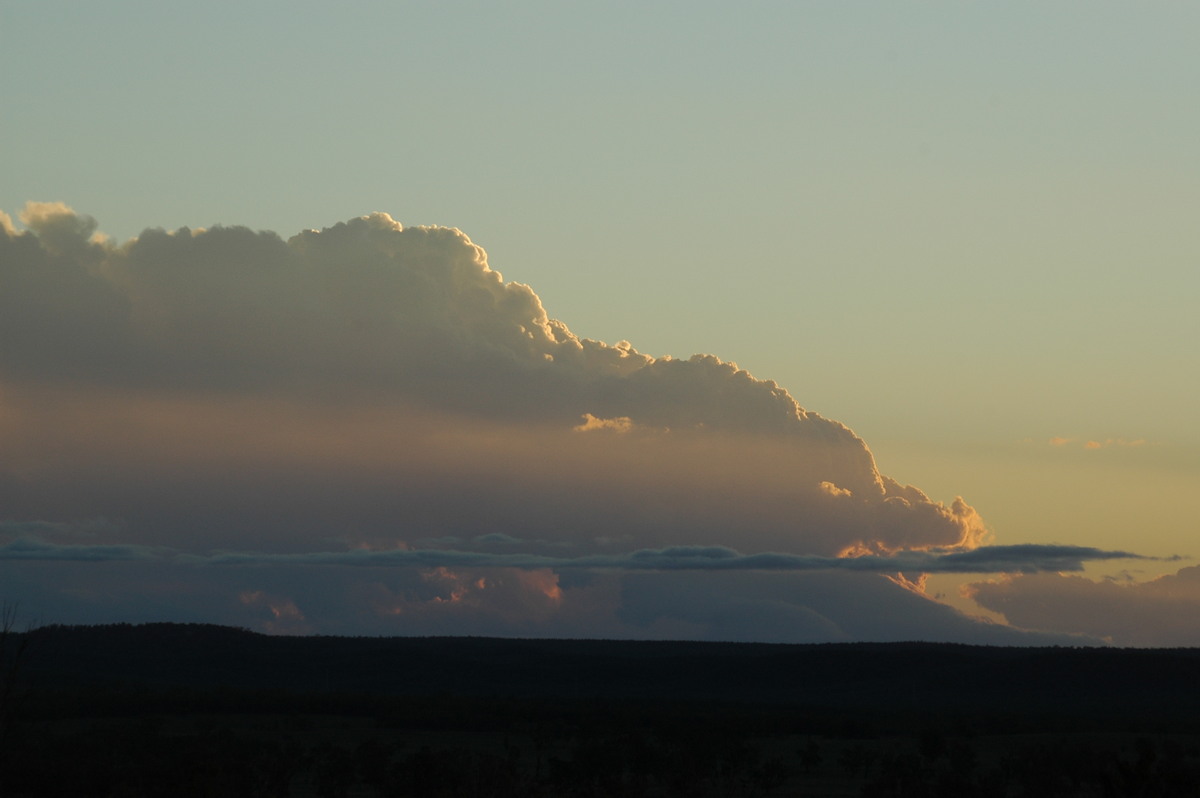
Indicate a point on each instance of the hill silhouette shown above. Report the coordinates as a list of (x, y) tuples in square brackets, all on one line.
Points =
[(131, 707), (855, 675)]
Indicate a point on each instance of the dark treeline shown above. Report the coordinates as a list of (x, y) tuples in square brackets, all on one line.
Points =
[(195, 709), (920, 676)]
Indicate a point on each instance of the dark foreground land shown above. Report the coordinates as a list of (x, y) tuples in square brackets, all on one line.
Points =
[(182, 710)]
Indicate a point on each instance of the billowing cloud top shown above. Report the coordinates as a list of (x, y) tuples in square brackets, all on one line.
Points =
[(370, 311), (366, 304), (375, 387)]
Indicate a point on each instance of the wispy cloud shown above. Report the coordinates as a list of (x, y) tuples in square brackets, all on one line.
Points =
[(1109, 443), (1093, 445)]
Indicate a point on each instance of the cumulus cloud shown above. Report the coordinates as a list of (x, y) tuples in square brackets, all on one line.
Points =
[(374, 395), (226, 344), (1160, 612)]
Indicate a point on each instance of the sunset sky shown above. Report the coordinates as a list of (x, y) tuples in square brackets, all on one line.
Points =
[(379, 318)]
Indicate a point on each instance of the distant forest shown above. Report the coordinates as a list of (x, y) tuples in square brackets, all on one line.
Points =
[(188, 709)]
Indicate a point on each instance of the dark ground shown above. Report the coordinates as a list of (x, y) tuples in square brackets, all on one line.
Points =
[(169, 709)]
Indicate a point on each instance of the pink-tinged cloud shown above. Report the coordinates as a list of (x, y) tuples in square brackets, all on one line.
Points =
[(282, 615), (1115, 442), (1160, 612)]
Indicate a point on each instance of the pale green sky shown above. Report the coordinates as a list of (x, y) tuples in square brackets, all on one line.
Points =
[(962, 229)]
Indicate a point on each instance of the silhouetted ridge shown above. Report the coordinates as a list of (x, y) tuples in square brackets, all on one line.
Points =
[(915, 676)]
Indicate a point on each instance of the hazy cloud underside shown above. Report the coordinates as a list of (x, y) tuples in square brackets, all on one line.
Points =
[(377, 396)]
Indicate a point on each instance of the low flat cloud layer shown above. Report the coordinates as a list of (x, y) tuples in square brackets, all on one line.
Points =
[(214, 424)]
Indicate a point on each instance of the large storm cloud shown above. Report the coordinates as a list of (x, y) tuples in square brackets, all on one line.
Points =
[(231, 396)]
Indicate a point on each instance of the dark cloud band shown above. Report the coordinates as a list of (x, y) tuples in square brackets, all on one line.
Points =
[(1024, 558)]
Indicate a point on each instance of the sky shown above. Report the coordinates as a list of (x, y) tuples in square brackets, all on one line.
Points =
[(792, 322)]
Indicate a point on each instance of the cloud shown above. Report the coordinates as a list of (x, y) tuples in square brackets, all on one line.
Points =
[(200, 473), (59, 229), (710, 593), (1118, 442), (592, 424), (819, 607), (26, 548), (1093, 445), (1025, 558), (807, 607), (1160, 612), (283, 617), (375, 395), (1028, 558), (193, 354)]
